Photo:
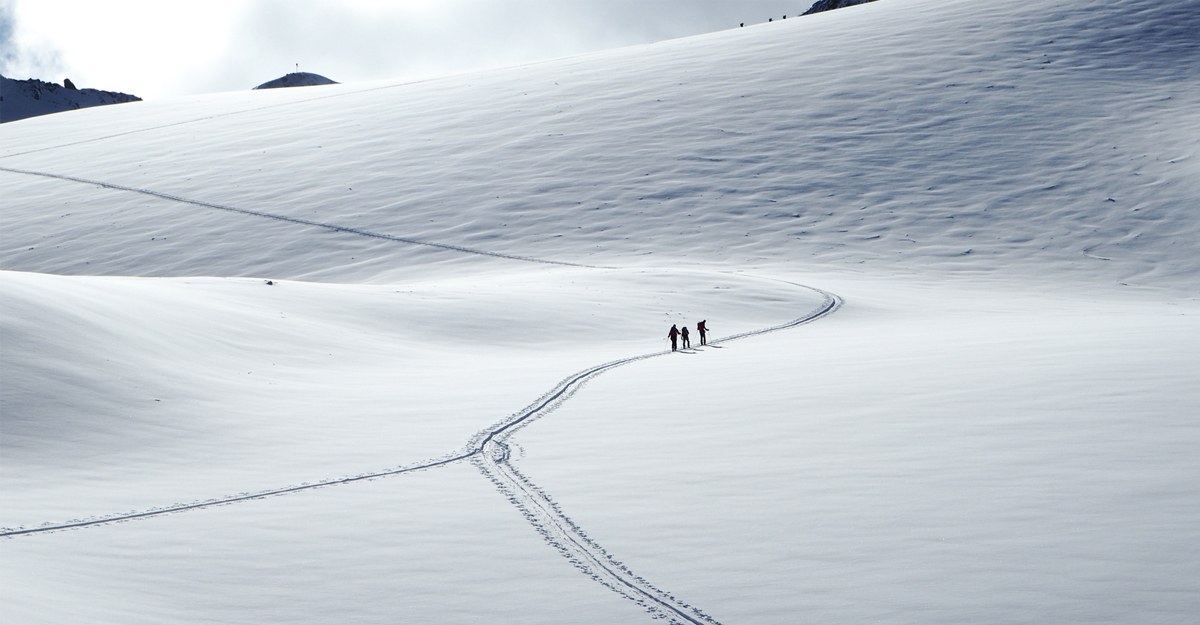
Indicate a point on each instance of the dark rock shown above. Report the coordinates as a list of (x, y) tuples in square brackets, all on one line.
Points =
[(829, 5), (297, 79), (68, 84), (20, 99)]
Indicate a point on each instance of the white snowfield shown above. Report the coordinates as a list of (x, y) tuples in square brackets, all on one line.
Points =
[(396, 352)]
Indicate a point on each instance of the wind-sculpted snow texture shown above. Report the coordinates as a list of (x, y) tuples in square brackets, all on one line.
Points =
[(302, 222), (1036, 137)]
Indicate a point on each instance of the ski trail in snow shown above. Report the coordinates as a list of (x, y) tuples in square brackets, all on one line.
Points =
[(492, 459), (130, 516), (475, 446), (489, 452), (558, 530), (296, 220), (481, 442)]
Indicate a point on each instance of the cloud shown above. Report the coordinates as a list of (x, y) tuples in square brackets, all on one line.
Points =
[(8, 42), (360, 41), (19, 60)]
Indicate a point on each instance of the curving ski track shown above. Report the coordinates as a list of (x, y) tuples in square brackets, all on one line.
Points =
[(478, 444), (490, 454), (487, 449), (295, 220), (558, 529)]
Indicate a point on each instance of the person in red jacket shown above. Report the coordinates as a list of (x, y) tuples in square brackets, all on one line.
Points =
[(686, 341), (702, 329), (672, 335)]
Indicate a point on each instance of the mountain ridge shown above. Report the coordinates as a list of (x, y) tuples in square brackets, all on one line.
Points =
[(22, 99)]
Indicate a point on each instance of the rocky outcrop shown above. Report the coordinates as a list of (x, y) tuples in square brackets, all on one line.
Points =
[(20, 99), (829, 5), (297, 79)]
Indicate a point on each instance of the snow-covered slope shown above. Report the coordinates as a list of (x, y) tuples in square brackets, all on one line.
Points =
[(996, 425), (20, 99), (962, 136)]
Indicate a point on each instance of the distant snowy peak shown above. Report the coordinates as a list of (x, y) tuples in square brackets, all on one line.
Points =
[(297, 79), (29, 98), (829, 5)]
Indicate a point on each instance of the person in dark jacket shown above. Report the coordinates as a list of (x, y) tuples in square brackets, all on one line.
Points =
[(673, 334), (702, 329), (684, 333)]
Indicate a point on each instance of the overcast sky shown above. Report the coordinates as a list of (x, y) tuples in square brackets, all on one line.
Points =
[(157, 49)]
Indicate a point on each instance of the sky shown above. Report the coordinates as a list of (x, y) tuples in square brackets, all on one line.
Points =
[(156, 49)]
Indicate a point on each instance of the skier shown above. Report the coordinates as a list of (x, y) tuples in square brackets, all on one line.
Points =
[(702, 329), (672, 335), (684, 333)]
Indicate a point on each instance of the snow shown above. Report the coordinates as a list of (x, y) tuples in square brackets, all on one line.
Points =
[(771, 122), (996, 424), (276, 384), (1006, 457)]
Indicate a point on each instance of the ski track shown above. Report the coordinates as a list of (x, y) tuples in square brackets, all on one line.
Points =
[(491, 457), (487, 450), (573, 544), (490, 454), (295, 220), (481, 442)]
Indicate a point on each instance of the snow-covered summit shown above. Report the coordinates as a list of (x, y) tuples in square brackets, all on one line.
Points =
[(297, 79), (20, 99)]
